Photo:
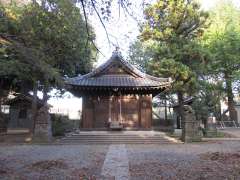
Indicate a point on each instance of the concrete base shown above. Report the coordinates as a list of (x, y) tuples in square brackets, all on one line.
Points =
[(43, 126), (16, 138), (42, 133), (211, 133), (191, 127)]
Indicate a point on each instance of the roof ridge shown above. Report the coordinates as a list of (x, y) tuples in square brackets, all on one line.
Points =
[(131, 69)]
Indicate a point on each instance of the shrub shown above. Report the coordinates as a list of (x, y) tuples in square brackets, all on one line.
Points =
[(59, 124)]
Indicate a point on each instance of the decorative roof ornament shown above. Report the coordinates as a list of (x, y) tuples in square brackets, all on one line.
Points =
[(116, 52)]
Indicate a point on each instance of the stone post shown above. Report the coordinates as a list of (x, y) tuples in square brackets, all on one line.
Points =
[(2, 127), (211, 128), (190, 126), (237, 107), (2, 123), (43, 126)]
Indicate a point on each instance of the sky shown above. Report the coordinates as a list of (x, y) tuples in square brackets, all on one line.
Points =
[(122, 30)]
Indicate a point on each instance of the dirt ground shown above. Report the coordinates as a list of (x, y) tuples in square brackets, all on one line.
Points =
[(214, 161)]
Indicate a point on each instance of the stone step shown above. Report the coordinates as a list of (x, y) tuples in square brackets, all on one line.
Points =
[(123, 137), (115, 140), (112, 142), (134, 137), (16, 138), (117, 135), (72, 140), (91, 139), (18, 131)]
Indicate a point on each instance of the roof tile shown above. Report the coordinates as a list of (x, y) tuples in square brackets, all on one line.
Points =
[(135, 78)]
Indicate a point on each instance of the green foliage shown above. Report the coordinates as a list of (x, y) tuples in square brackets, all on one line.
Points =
[(223, 39), (208, 99), (60, 31), (184, 78), (62, 124), (200, 57), (174, 21), (59, 125), (173, 28), (140, 54), (225, 53), (44, 41)]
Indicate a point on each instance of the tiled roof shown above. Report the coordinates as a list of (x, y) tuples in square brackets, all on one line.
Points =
[(117, 81), (23, 97), (133, 77), (187, 101)]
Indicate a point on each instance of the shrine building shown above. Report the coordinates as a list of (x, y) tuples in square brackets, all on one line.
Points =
[(116, 95)]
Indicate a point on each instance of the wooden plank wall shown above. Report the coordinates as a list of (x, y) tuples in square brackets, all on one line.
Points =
[(136, 111)]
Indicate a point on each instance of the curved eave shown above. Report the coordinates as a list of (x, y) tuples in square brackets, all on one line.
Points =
[(118, 81), (71, 86), (106, 90)]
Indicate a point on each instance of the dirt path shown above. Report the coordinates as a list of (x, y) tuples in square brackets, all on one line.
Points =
[(214, 161)]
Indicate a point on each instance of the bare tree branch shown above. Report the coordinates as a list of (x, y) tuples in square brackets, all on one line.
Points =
[(126, 8), (100, 19), (86, 22), (87, 29)]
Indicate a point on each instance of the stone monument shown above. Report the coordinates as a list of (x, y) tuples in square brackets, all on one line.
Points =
[(237, 107), (191, 131), (211, 129), (43, 128), (2, 123)]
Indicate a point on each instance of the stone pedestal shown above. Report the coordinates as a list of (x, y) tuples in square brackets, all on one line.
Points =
[(190, 126), (43, 128), (237, 107), (2, 123), (211, 129)]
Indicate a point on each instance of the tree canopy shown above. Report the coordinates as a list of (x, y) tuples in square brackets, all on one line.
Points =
[(47, 40), (222, 39), (173, 28), (198, 49)]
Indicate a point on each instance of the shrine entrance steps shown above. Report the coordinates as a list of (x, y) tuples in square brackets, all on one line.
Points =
[(118, 137)]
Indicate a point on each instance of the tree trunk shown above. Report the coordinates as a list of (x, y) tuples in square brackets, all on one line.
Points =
[(34, 104), (220, 110), (231, 108), (1, 95), (181, 104), (45, 93), (165, 104), (1, 100)]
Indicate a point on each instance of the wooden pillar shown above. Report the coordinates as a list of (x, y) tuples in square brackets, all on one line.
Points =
[(120, 108), (146, 111), (109, 110), (88, 108)]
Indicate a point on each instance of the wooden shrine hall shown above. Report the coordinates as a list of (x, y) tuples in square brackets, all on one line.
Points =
[(116, 95)]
